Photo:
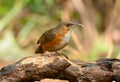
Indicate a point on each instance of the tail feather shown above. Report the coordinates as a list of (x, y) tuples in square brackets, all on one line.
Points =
[(39, 50)]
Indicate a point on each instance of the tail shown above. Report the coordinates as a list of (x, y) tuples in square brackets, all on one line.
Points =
[(39, 50)]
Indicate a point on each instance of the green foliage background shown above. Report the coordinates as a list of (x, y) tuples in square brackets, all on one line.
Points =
[(23, 21)]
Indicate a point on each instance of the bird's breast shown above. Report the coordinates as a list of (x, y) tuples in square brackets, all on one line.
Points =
[(66, 38), (60, 40), (63, 40)]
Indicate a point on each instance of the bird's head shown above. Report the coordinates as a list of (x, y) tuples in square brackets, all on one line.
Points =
[(68, 25)]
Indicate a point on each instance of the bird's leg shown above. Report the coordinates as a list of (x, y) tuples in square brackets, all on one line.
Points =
[(57, 52), (61, 54)]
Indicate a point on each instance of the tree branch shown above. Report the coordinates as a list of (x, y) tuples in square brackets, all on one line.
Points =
[(57, 66)]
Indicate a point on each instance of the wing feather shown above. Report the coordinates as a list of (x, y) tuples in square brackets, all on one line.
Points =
[(47, 36)]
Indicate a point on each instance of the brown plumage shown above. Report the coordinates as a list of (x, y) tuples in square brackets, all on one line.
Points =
[(55, 38)]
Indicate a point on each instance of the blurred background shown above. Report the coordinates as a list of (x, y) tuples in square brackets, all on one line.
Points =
[(23, 21)]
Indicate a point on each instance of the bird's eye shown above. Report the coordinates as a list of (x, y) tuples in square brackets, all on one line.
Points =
[(68, 25)]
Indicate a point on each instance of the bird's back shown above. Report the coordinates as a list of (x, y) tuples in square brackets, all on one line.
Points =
[(54, 39)]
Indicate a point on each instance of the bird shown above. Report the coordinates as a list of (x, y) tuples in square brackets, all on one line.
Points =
[(56, 38)]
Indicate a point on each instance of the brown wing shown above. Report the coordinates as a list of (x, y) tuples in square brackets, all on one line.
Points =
[(47, 36)]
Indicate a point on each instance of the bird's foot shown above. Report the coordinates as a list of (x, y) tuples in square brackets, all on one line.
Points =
[(47, 54)]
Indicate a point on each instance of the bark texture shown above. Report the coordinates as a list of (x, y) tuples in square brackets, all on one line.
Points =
[(57, 66)]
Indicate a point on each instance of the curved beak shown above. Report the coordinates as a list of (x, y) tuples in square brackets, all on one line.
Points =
[(78, 24)]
